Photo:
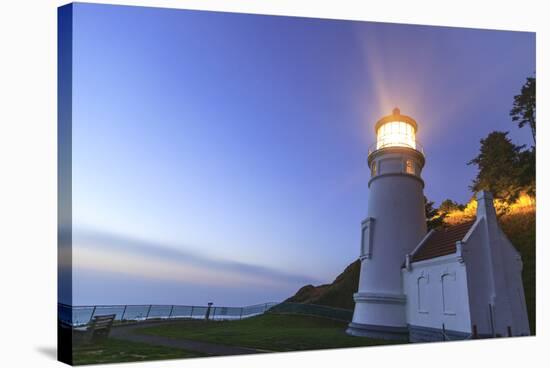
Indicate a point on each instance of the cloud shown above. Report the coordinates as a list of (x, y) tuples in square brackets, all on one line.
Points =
[(104, 252)]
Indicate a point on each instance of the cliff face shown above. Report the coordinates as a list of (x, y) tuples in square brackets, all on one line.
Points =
[(337, 294)]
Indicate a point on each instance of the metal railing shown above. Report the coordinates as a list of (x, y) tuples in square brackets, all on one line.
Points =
[(81, 315), (315, 310)]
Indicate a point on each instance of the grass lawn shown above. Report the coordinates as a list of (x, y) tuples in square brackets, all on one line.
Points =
[(274, 332), (118, 351)]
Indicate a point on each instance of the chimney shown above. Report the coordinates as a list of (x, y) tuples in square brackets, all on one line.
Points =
[(485, 207)]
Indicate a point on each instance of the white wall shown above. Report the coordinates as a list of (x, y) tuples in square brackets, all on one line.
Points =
[(396, 206), (437, 294), (479, 286), (514, 286), (494, 276)]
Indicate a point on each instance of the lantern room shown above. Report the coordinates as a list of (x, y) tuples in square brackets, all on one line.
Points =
[(396, 130)]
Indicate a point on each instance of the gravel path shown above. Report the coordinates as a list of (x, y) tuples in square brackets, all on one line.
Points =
[(127, 333)]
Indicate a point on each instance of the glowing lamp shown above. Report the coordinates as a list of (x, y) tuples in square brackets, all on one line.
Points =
[(396, 130)]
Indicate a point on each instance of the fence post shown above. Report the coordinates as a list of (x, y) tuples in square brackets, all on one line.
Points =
[(171, 310), (123, 313), (192, 307), (491, 315), (148, 311), (93, 312)]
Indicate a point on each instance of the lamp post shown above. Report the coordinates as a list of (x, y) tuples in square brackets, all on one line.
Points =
[(207, 317)]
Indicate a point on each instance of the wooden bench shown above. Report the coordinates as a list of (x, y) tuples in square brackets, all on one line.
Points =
[(96, 330)]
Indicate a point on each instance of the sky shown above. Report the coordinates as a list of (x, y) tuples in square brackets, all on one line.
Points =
[(222, 157)]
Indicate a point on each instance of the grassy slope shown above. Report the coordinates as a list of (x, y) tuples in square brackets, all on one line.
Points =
[(118, 351), (271, 332), (338, 294), (521, 230)]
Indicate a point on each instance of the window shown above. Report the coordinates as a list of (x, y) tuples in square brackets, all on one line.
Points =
[(422, 287), (373, 169), (366, 237), (422, 284), (448, 285), (409, 167), (395, 133)]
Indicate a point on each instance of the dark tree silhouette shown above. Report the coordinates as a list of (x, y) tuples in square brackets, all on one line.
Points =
[(434, 219), (524, 110), (527, 179), (500, 168), (449, 205)]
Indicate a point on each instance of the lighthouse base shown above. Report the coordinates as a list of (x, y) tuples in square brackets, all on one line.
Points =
[(379, 315), (378, 332)]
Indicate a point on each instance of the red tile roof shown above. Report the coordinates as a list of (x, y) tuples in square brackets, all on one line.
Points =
[(442, 242)]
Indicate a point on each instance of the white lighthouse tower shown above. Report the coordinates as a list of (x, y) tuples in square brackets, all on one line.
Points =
[(395, 225)]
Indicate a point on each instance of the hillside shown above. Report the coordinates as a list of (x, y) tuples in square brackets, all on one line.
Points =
[(337, 294), (519, 227), (521, 230)]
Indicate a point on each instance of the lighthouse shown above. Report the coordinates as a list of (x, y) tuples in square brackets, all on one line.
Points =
[(395, 225)]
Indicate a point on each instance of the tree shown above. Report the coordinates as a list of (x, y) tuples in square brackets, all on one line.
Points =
[(527, 178), (524, 110), (449, 205), (500, 168), (434, 219)]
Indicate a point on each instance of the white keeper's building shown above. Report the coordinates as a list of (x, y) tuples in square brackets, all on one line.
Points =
[(463, 281)]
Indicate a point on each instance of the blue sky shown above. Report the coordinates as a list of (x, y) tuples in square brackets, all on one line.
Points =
[(223, 156)]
